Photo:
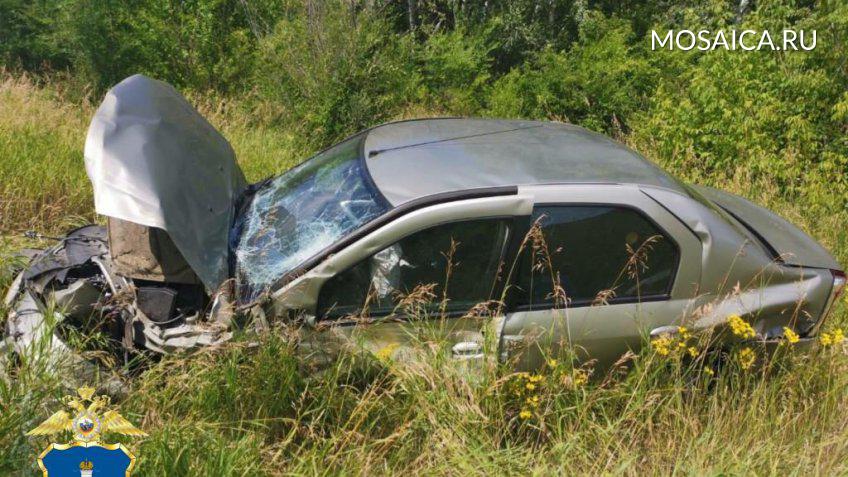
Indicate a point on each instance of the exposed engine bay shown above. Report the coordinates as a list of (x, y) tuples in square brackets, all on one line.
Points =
[(139, 301)]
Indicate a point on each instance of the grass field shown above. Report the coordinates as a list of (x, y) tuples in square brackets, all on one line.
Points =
[(243, 411)]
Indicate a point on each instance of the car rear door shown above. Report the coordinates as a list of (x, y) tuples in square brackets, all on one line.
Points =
[(614, 266)]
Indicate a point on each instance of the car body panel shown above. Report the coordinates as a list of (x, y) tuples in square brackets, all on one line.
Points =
[(411, 159), (793, 246), (728, 256), (601, 334), (786, 296), (740, 277), (155, 161)]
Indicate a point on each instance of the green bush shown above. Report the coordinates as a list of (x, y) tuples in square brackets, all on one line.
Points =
[(329, 72), (599, 83), (200, 44), (779, 116), (454, 69), (197, 44), (27, 35)]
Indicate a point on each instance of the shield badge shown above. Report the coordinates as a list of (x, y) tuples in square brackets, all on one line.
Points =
[(90, 417), (86, 460)]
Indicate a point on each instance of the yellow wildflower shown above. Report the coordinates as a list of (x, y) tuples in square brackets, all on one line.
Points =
[(740, 327), (580, 378), (385, 353), (833, 338), (693, 351), (552, 363), (530, 386), (746, 358), (535, 378), (525, 414), (662, 345), (791, 336), (709, 371)]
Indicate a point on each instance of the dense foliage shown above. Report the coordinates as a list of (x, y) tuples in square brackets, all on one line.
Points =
[(327, 68)]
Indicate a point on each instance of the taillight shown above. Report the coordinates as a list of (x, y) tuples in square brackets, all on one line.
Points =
[(839, 281), (838, 285)]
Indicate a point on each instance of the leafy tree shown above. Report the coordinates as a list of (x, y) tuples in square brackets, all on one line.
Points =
[(27, 35), (599, 83), (778, 115), (329, 71)]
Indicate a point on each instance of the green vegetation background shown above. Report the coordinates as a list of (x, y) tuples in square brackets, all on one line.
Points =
[(284, 78)]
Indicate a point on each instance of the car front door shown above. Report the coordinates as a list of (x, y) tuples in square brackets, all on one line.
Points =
[(604, 266), (433, 275)]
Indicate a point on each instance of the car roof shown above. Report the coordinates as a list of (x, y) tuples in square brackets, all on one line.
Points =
[(417, 158)]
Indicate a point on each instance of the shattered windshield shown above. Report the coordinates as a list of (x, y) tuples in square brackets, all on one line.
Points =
[(298, 214)]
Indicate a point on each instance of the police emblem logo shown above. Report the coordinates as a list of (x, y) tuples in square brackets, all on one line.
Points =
[(87, 417)]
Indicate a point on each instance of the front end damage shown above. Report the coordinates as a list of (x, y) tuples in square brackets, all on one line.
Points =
[(72, 304), (155, 279)]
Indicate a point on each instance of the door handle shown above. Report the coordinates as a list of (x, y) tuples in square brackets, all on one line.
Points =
[(467, 350), (663, 330)]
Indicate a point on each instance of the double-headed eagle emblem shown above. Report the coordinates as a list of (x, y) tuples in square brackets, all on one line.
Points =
[(88, 417), (87, 422)]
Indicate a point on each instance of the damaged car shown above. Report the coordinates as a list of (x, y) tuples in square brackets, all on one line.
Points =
[(502, 231)]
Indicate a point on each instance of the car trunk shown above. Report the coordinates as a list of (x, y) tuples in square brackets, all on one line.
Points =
[(789, 243)]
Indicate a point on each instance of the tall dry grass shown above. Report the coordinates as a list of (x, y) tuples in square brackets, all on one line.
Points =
[(243, 410)]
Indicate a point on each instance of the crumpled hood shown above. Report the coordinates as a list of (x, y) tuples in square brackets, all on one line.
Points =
[(154, 160)]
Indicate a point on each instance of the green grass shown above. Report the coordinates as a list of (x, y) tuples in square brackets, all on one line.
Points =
[(244, 410)]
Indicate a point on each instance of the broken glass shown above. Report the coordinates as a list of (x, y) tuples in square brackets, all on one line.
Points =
[(300, 213)]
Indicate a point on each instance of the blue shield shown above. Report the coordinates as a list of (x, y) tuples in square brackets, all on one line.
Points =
[(79, 458)]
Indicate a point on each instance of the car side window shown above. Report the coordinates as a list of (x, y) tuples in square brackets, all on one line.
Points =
[(455, 265), (593, 254)]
